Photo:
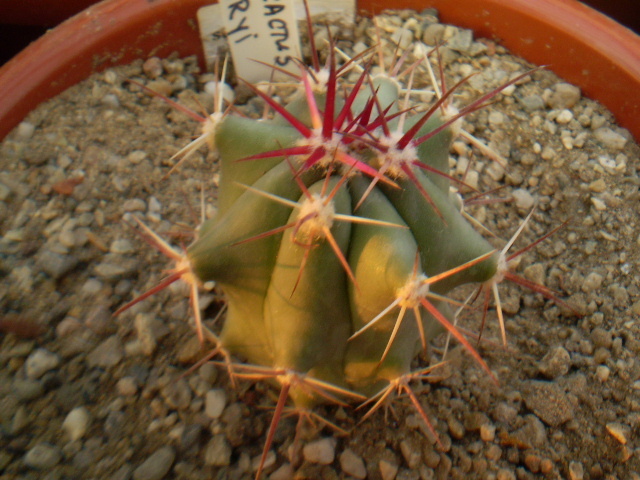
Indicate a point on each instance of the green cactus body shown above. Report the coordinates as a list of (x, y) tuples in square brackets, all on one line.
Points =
[(298, 292), (337, 239)]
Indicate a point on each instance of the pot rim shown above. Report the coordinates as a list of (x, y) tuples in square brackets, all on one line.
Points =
[(581, 45)]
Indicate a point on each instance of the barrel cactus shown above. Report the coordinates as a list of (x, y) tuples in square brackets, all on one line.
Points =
[(336, 239)]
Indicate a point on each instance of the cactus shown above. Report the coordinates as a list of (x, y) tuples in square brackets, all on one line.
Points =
[(337, 239)]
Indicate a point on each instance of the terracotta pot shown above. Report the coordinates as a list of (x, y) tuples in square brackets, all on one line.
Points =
[(579, 44)]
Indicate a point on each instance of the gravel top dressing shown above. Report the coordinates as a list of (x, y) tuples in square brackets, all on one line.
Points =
[(85, 395)]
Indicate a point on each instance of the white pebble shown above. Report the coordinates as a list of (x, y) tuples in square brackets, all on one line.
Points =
[(472, 179), (76, 423), (607, 162), (592, 283), (137, 156), (285, 472), (598, 204), (39, 362), (156, 466), (269, 461), (25, 131), (403, 37), (214, 403), (610, 139), (567, 142), (154, 205), (227, 92), (564, 117), (496, 118), (121, 246), (321, 451), (523, 199)]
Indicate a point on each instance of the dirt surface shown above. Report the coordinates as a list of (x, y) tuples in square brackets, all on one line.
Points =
[(85, 395)]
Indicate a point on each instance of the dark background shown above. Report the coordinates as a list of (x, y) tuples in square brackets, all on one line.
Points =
[(22, 21)]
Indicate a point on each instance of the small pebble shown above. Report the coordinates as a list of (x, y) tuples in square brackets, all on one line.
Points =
[(109, 353), (127, 386), (576, 471), (411, 453), (532, 103), (76, 423), (284, 472), (523, 199), (352, 464), (461, 41), (403, 37), (592, 283), (565, 95), (505, 474), (137, 156), (601, 338), (488, 432), (146, 325), (40, 362), (55, 264), (209, 373), (177, 394), (555, 363), (269, 461), (20, 420), (27, 389), (43, 456), (152, 67), (618, 431), (156, 466), (215, 401), (493, 452), (227, 92), (598, 204), (456, 428), (134, 205), (110, 271), (321, 451), (496, 118), (546, 466), (535, 273), (598, 186), (532, 433), (548, 401), (217, 453), (121, 246), (433, 34), (388, 470), (110, 100), (24, 131), (564, 117), (602, 373), (609, 138)]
